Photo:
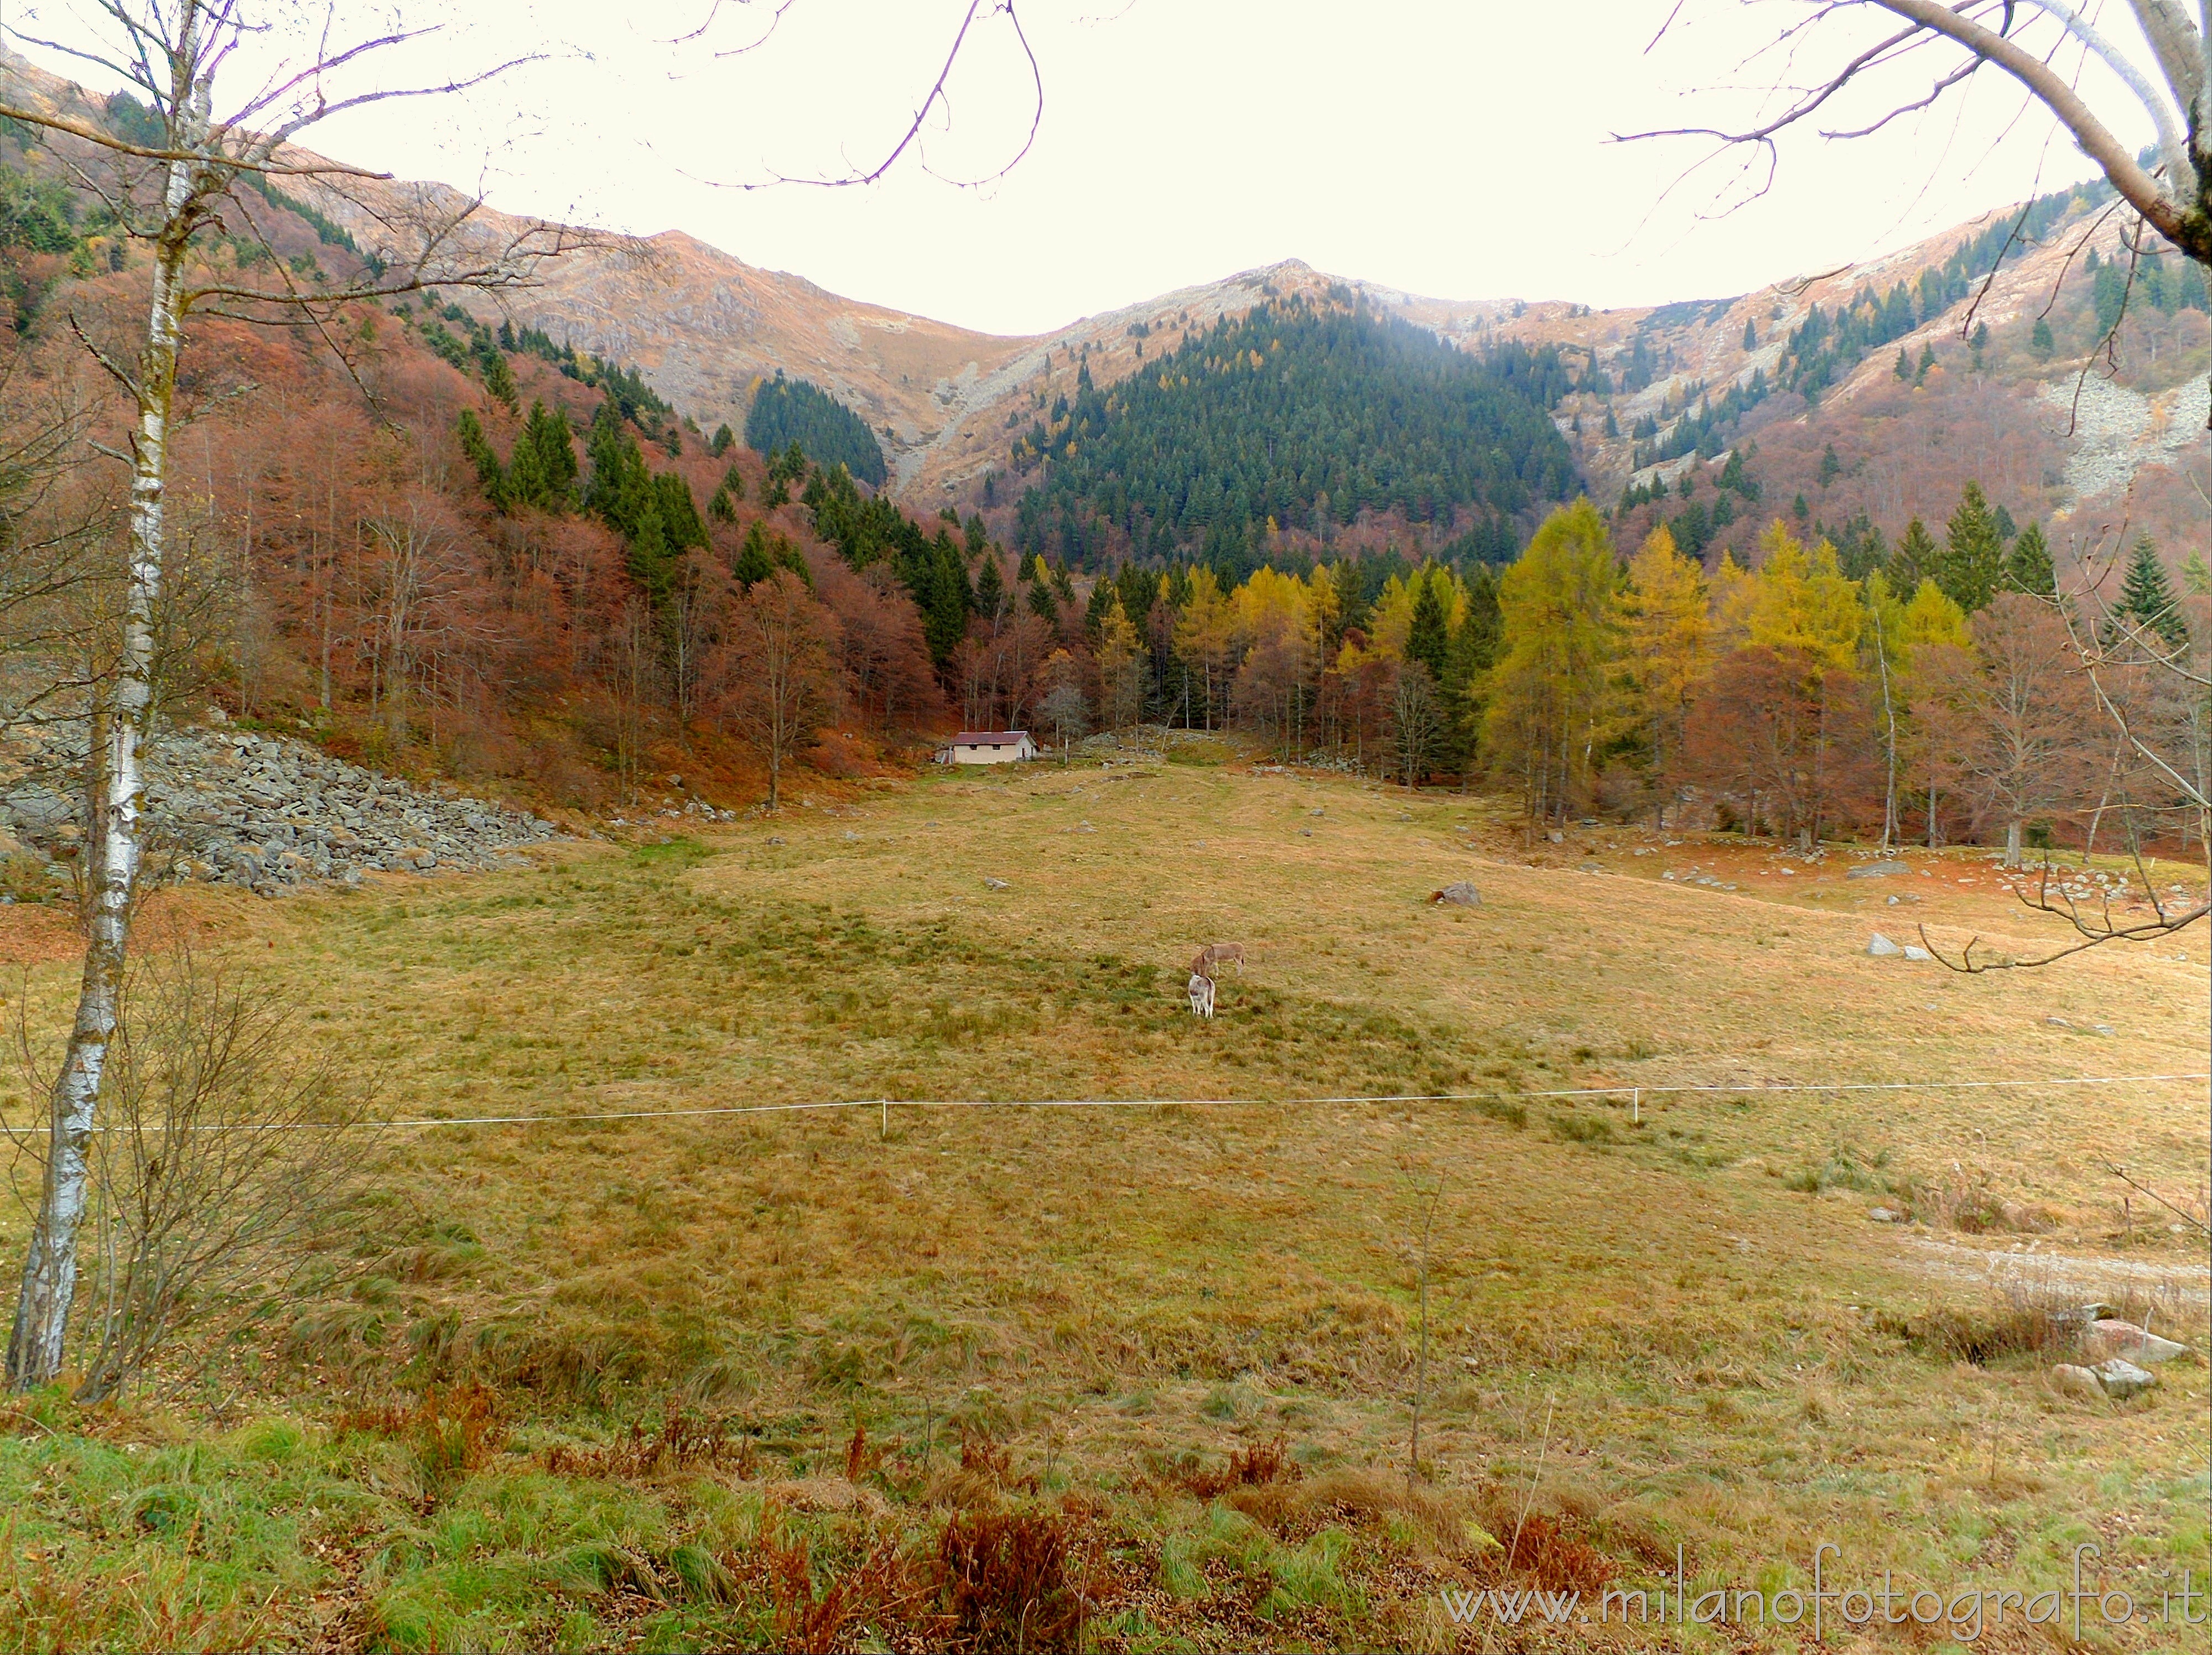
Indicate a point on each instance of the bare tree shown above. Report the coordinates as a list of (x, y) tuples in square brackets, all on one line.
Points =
[(2153, 688), (2022, 726), (2167, 78), (1063, 713), (223, 1162), (936, 101), (1417, 724), (170, 195), (1846, 68), (776, 671)]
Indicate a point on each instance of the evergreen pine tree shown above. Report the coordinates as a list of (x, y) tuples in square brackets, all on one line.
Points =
[(1103, 597), (2146, 597), (733, 482), (719, 443), (679, 512), (753, 563), (1974, 560), (2040, 341), (652, 559), (1926, 361), (543, 472), (1904, 368), (499, 379), (1830, 467), (1428, 639), (2027, 566), (1042, 604), (990, 588), (479, 451), (944, 616), (721, 507), (2109, 293), (1750, 335), (1612, 425), (1063, 588), (1914, 561)]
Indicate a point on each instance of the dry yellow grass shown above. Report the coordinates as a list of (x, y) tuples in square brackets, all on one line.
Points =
[(1718, 1351)]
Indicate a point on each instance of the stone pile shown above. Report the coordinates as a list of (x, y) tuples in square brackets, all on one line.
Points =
[(274, 815)]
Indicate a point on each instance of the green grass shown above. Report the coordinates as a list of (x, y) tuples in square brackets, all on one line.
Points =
[(1686, 1322)]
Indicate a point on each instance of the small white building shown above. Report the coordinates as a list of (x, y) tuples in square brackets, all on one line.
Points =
[(989, 747)]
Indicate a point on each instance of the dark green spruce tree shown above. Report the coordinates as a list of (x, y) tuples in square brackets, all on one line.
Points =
[(1973, 558), (2146, 598), (2027, 566)]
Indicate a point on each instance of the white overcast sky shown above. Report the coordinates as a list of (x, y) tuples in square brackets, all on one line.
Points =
[(1452, 147)]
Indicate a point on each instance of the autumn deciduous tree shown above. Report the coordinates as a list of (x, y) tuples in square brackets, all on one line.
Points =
[(776, 671), (1787, 735), (1668, 634), (2019, 724), (1549, 690)]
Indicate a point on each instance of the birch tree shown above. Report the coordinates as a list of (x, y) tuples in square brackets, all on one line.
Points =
[(218, 128)]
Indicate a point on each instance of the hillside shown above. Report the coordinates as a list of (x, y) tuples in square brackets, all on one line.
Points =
[(950, 404)]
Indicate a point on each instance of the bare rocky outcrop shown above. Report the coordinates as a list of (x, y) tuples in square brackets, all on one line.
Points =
[(276, 815)]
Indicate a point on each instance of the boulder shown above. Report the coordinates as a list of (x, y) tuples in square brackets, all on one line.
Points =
[(1458, 895), (1914, 951), (1877, 869), (2112, 1337), (2079, 1383), (1881, 947), (994, 884), (2122, 1379)]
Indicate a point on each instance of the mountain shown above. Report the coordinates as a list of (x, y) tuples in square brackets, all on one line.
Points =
[(2052, 431), (2050, 428)]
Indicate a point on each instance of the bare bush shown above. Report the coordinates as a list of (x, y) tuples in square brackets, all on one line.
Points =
[(228, 1158)]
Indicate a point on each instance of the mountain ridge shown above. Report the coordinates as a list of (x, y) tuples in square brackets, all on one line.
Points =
[(945, 401)]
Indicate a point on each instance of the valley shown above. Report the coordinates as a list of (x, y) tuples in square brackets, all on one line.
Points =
[(1681, 1327)]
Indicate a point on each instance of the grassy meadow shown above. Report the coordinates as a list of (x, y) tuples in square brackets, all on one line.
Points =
[(1144, 1378)]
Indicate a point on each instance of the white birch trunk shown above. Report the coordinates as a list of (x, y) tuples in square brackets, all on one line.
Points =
[(115, 785)]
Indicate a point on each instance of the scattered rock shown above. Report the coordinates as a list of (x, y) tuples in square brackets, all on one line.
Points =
[(1556, 837), (1459, 895), (775, 838), (1881, 947), (1316, 811), (2122, 1379), (1885, 1215), (2076, 1382), (2057, 1022), (1877, 869), (994, 884), (2112, 1338), (275, 815), (1914, 951)]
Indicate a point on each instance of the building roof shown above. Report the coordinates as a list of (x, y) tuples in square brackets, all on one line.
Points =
[(975, 738)]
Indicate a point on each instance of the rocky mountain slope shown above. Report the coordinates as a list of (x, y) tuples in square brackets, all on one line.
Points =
[(2064, 433)]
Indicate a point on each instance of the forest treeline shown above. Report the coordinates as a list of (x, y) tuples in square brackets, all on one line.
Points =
[(523, 562), (1294, 416)]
